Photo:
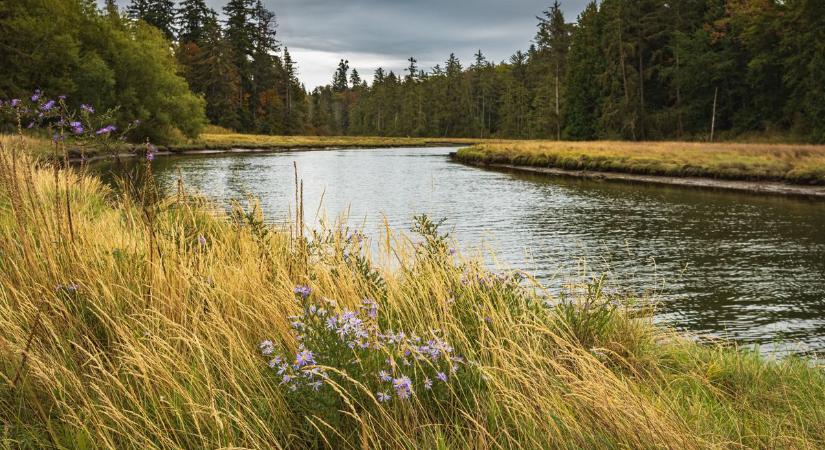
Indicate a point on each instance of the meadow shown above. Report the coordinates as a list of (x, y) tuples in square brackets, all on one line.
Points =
[(799, 164), (131, 320)]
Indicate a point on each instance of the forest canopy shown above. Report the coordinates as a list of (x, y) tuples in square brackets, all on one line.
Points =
[(624, 69)]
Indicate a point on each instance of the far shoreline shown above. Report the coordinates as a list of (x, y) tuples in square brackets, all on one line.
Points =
[(756, 187)]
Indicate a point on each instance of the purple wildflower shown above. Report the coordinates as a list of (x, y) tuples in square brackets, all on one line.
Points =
[(304, 357), (30, 125), (36, 95), (87, 108), (15, 102), (441, 376), (302, 290), (106, 130), (267, 347), (316, 386), (384, 397), (47, 106), (384, 376), (403, 387), (150, 156), (201, 239), (76, 127)]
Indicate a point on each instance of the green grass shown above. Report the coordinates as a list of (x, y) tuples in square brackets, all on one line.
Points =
[(119, 329), (799, 164)]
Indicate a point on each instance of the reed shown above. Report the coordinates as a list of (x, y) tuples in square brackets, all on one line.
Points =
[(167, 322)]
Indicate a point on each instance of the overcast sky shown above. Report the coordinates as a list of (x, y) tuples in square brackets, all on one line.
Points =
[(373, 33)]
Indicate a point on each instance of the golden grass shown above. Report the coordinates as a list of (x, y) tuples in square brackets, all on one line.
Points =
[(804, 164), (118, 329), (238, 140)]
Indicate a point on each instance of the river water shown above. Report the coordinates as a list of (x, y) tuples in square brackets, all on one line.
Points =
[(740, 266)]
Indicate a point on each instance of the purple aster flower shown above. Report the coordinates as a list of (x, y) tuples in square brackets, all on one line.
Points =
[(15, 102), (441, 376), (106, 130), (76, 127), (87, 108), (383, 397), (316, 386), (286, 379), (403, 387), (201, 239), (47, 106), (267, 347), (61, 97), (384, 376), (36, 95), (150, 156), (302, 290), (30, 125), (304, 357)]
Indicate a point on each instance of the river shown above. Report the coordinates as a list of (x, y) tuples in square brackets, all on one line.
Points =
[(739, 266)]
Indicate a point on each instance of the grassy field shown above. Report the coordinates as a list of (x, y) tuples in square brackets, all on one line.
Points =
[(800, 164), (134, 322)]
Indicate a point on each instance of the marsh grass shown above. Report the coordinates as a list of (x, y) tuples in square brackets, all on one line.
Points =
[(144, 330), (802, 164)]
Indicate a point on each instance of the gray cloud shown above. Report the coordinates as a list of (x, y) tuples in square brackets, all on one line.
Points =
[(387, 32)]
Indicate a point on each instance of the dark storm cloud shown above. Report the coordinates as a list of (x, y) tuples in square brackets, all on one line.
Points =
[(387, 32)]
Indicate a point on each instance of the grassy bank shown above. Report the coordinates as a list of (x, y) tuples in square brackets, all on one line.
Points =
[(129, 321), (800, 164), (253, 141), (219, 140)]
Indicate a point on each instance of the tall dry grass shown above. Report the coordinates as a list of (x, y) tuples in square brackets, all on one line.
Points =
[(137, 324)]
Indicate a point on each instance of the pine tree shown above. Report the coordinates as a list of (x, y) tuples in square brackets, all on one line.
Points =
[(553, 43), (584, 68), (193, 18), (339, 79), (158, 13), (239, 37), (355, 79)]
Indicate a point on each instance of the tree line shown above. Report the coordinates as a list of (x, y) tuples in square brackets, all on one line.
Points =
[(625, 69)]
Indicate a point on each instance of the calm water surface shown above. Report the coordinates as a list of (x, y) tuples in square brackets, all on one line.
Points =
[(741, 266)]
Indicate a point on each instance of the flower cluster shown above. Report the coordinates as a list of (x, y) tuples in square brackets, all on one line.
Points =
[(393, 364), (54, 114)]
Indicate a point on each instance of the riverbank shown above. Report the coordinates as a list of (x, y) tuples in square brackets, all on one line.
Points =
[(781, 163), (228, 142), (136, 322), (759, 187)]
